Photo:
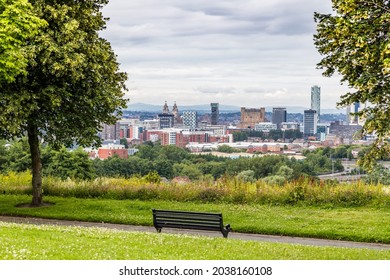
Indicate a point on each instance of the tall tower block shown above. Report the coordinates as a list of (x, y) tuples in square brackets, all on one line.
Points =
[(316, 100), (214, 113)]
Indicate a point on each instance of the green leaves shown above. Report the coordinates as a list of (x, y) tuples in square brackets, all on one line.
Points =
[(17, 25), (73, 82), (62, 79), (355, 43)]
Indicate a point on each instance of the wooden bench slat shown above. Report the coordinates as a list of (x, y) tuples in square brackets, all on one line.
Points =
[(195, 227), (183, 223), (159, 211), (189, 220), (185, 218)]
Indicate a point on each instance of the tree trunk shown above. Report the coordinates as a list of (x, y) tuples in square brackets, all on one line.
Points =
[(33, 142)]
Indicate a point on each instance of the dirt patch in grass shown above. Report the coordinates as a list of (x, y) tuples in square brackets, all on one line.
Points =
[(29, 205)]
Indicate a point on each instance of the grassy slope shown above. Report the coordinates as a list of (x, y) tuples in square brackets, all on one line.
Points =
[(74, 243), (356, 224)]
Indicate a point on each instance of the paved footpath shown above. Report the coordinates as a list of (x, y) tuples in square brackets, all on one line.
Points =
[(234, 235)]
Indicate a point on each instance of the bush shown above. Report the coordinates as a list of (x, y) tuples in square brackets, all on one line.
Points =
[(296, 194), (246, 176), (18, 183), (153, 177), (275, 180), (209, 195)]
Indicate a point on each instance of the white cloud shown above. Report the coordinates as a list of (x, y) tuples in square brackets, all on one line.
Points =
[(239, 52)]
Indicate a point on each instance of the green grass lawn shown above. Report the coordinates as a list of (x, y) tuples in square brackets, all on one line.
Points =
[(31, 242), (355, 224)]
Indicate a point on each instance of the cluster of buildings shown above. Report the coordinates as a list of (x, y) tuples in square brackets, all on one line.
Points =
[(187, 129), (169, 128), (339, 132)]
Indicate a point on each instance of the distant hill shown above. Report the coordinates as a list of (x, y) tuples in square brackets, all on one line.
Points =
[(143, 107)]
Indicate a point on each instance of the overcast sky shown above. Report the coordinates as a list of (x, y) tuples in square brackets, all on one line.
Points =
[(251, 53)]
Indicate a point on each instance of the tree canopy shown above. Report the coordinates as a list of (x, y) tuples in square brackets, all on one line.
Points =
[(17, 24), (355, 44), (72, 85)]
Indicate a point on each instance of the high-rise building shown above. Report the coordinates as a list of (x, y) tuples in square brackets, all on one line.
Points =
[(166, 120), (251, 116), (111, 132), (190, 118), (356, 109), (310, 122), (316, 100), (214, 113), (348, 115), (279, 115)]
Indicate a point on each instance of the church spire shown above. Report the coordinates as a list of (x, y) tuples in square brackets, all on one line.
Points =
[(175, 109), (175, 112), (165, 109)]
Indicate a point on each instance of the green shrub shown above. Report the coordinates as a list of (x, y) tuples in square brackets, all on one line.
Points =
[(209, 195), (275, 180), (246, 176), (17, 183), (153, 177), (296, 194)]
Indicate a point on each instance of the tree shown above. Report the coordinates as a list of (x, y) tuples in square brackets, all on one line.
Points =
[(123, 141), (246, 176), (3, 156), (18, 157), (191, 171), (70, 164), (173, 153), (380, 175), (355, 43), (227, 149), (148, 151), (285, 172), (73, 83), (240, 136), (17, 25), (275, 134), (163, 167)]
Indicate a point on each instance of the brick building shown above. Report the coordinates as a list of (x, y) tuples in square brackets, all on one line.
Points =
[(107, 151), (251, 116)]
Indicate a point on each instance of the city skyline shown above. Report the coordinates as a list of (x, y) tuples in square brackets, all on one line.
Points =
[(227, 52)]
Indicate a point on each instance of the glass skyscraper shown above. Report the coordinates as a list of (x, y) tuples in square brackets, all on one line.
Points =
[(279, 115), (310, 122), (316, 100)]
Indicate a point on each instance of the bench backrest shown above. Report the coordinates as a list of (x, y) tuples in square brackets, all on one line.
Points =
[(188, 220)]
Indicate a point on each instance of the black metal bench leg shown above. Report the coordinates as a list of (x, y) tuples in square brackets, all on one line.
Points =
[(225, 233)]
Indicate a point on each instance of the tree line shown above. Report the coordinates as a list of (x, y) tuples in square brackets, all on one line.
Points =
[(166, 161)]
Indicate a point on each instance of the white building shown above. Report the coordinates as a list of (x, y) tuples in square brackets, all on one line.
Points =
[(265, 126), (151, 124), (290, 126)]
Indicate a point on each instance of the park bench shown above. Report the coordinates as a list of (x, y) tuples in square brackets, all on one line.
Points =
[(189, 220)]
